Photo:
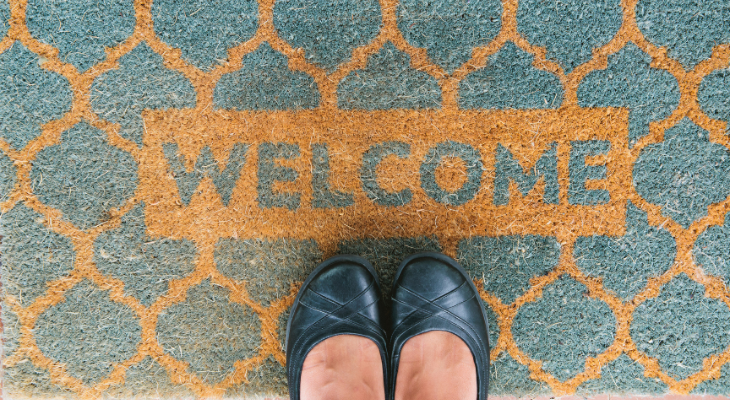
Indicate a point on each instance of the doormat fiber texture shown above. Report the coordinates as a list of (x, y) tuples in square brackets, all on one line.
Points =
[(171, 171)]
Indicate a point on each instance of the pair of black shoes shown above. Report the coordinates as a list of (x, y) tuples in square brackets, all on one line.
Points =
[(431, 292)]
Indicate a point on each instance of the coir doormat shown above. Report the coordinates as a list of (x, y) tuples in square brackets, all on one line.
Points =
[(170, 171)]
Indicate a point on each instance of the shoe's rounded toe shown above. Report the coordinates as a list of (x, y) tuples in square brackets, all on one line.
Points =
[(430, 277), (340, 281)]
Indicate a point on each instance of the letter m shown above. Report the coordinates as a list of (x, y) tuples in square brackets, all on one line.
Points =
[(508, 169)]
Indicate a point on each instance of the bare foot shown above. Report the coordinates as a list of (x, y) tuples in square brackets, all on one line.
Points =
[(343, 367), (436, 365)]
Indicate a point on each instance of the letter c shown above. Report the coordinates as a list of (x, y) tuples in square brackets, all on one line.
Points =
[(370, 161)]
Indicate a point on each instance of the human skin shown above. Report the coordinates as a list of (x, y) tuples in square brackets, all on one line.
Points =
[(433, 366)]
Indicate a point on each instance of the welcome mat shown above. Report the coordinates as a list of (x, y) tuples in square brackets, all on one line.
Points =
[(170, 171)]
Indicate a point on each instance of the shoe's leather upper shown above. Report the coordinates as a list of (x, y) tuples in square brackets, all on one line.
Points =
[(341, 296), (432, 292)]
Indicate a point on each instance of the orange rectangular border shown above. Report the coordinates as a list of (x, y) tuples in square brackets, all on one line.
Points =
[(348, 135)]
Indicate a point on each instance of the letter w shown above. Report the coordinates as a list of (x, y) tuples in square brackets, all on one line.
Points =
[(205, 165)]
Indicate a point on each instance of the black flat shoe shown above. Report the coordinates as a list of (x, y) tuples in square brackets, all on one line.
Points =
[(340, 297), (432, 292)]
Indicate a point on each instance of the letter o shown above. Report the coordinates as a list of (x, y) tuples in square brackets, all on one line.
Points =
[(474, 169)]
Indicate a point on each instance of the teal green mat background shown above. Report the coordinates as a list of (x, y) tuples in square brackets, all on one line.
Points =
[(79, 291)]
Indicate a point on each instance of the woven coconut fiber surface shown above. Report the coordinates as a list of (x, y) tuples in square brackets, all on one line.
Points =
[(170, 171)]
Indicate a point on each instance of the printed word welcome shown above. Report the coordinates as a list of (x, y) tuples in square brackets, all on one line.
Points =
[(507, 170), (288, 173)]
